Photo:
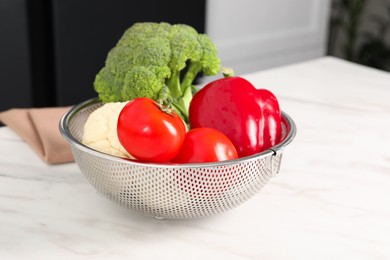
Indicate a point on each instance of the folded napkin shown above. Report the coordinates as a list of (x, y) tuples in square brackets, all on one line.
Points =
[(39, 128)]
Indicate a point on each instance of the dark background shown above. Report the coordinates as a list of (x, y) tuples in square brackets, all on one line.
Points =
[(51, 50)]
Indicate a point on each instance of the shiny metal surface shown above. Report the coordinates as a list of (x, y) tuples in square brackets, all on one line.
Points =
[(172, 191)]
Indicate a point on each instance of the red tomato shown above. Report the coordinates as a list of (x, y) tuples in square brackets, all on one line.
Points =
[(148, 133), (205, 145)]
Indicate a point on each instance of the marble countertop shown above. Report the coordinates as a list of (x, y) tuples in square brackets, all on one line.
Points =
[(331, 199)]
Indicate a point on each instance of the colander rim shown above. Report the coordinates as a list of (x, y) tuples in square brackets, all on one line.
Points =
[(65, 131)]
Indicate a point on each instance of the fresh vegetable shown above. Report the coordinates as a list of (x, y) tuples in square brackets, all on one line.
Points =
[(249, 117), (150, 132), (205, 145), (100, 130), (158, 61)]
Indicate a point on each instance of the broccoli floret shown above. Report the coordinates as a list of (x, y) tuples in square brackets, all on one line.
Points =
[(159, 61)]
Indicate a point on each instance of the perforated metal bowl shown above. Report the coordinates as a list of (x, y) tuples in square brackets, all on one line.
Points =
[(169, 190)]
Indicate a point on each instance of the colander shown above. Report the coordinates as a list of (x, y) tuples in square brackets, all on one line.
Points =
[(172, 191)]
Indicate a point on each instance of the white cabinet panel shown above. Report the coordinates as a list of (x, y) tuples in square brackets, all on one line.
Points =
[(259, 34)]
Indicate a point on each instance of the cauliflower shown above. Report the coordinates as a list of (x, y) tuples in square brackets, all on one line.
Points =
[(100, 130)]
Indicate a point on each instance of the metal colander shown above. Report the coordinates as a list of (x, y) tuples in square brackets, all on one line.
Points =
[(172, 191)]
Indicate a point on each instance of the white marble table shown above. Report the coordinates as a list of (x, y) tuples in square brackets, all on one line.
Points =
[(331, 199)]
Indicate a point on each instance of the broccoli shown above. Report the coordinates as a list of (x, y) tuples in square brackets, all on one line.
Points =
[(159, 61)]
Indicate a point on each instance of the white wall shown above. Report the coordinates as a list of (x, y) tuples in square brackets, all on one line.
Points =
[(258, 34)]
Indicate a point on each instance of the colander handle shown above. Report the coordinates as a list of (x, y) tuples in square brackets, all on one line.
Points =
[(275, 161)]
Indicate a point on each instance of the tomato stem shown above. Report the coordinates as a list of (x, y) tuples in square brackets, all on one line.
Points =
[(165, 106)]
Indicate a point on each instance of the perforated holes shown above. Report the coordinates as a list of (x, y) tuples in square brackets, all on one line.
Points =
[(170, 192)]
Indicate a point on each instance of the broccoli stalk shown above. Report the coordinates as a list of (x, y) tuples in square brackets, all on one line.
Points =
[(181, 91), (159, 61), (176, 97)]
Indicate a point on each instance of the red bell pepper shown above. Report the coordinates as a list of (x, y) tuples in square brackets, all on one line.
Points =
[(249, 117)]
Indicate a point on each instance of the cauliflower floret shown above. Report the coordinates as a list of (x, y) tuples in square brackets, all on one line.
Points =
[(100, 130)]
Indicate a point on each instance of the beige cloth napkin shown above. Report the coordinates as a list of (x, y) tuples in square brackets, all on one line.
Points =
[(39, 128)]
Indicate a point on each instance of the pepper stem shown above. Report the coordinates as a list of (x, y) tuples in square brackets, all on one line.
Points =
[(227, 72)]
